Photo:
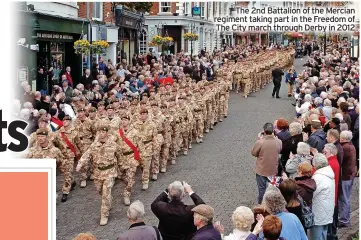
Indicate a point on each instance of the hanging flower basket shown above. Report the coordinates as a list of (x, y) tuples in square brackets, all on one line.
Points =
[(82, 47), (167, 41), (157, 40), (190, 36), (99, 47)]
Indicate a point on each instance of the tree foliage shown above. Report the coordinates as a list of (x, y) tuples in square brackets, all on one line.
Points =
[(135, 6)]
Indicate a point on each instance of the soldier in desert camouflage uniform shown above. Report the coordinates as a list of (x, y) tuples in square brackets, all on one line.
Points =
[(176, 133), (198, 117), (105, 154), (132, 146), (185, 117), (148, 132), (85, 129), (70, 137), (45, 149), (158, 118), (112, 121), (102, 113), (42, 123), (167, 135)]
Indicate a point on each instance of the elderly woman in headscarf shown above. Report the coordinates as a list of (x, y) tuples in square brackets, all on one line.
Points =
[(275, 204)]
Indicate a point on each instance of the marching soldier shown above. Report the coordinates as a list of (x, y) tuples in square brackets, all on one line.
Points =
[(70, 137), (148, 132), (158, 119), (167, 135), (45, 149), (86, 130), (132, 147), (105, 154)]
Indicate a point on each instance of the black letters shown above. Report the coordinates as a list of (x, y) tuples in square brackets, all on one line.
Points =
[(18, 136), (3, 124)]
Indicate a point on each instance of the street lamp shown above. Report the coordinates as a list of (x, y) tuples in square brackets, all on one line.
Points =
[(192, 27)]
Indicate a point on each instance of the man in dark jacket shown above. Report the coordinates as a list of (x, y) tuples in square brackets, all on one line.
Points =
[(86, 79), (277, 79), (317, 138), (175, 218), (203, 220), (348, 173)]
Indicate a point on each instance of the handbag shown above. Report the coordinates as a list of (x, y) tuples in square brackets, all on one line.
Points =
[(308, 217)]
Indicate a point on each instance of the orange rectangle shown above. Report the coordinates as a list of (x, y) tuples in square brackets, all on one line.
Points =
[(24, 205)]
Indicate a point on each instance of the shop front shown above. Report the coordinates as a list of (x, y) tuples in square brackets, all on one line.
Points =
[(55, 37), (129, 24)]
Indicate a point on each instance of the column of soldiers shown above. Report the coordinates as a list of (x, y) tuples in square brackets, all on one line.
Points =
[(112, 141), (254, 72)]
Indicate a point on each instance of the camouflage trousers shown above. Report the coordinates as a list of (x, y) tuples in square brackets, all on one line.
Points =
[(208, 119), (126, 172), (190, 131), (247, 86), (145, 165), (185, 139), (86, 170), (226, 104), (104, 188), (221, 111), (66, 167), (215, 112), (174, 148), (198, 127), (164, 154), (156, 153)]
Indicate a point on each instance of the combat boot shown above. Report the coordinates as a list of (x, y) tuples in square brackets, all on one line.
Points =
[(201, 140), (163, 170), (103, 221), (173, 161), (73, 185), (83, 184), (154, 177), (91, 177), (145, 186), (198, 140), (185, 153), (190, 146), (64, 198), (126, 201)]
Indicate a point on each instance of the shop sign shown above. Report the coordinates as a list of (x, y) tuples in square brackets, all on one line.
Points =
[(129, 23), (23, 74), (55, 36)]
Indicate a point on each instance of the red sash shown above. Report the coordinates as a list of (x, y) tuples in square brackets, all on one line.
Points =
[(72, 148), (130, 144)]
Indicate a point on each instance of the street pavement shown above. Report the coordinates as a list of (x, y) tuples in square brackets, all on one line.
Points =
[(220, 170)]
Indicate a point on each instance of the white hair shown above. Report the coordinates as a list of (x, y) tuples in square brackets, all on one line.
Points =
[(136, 211), (243, 218), (25, 114), (327, 102), (346, 135), (176, 190), (331, 147), (295, 128), (28, 105), (323, 95), (339, 116), (318, 100), (320, 161), (308, 98), (340, 100), (303, 148), (347, 84)]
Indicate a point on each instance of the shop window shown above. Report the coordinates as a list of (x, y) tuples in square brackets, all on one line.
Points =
[(165, 7), (98, 11)]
